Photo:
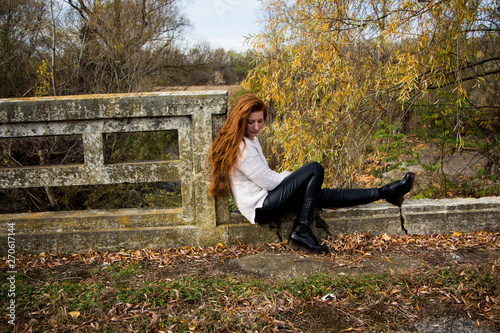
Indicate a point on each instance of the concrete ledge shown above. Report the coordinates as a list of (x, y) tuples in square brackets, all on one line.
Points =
[(81, 241), (79, 231), (420, 217), (251, 234), (105, 106), (372, 218), (425, 217), (85, 220), (378, 218), (76, 231), (113, 240)]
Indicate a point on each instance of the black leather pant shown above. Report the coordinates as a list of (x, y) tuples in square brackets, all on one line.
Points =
[(301, 192)]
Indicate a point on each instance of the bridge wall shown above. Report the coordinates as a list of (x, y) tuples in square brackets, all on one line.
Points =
[(196, 116), (201, 221)]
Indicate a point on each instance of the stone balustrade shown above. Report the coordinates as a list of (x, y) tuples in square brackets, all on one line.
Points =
[(194, 115)]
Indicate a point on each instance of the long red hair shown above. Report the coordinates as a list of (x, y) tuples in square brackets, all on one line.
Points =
[(224, 150)]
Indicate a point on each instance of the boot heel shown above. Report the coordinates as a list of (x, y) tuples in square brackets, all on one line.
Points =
[(310, 247), (394, 192), (398, 202), (297, 247)]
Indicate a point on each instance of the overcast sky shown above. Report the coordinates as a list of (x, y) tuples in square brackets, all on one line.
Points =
[(223, 23)]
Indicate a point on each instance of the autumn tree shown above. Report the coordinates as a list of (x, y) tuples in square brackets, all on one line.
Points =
[(204, 65), (121, 42), (334, 70), (20, 25), (67, 47), (84, 46)]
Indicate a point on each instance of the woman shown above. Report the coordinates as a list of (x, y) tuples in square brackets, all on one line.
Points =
[(262, 195)]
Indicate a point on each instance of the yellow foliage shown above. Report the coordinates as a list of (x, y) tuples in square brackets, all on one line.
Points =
[(44, 80), (333, 69)]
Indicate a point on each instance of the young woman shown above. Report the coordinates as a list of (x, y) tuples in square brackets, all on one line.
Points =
[(239, 168)]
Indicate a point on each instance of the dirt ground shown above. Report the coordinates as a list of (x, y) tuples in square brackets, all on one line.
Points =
[(326, 316), (432, 282)]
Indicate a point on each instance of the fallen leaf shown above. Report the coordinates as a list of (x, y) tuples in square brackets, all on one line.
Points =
[(74, 314)]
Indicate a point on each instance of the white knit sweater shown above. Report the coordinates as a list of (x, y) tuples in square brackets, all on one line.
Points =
[(253, 179)]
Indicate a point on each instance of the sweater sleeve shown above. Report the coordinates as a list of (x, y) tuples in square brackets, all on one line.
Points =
[(254, 166)]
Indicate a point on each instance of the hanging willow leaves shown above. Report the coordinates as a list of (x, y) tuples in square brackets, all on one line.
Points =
[(334, 69)]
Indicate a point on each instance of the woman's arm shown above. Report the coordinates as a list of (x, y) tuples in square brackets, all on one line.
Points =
[(253, 165)]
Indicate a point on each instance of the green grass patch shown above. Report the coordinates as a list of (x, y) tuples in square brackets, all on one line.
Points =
[(192, 295), (195, 302)]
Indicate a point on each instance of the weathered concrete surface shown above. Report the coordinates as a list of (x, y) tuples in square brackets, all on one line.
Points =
[(420, 217), (446, 325), (462, 215), (93, 115), (108, 106), (84, 230), (379, 217), (194, 115), (155, 228), (80, 231), (294, 264)]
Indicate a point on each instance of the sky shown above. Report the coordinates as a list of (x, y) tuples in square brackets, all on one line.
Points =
[(223, 23)]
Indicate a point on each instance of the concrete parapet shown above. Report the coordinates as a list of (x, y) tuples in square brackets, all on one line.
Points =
[(418, 217), (371, 218), (196, 116), (79, 231), (425, 217), (201, 220)]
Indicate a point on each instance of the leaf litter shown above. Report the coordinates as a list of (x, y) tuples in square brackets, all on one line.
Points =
[(203, 290)]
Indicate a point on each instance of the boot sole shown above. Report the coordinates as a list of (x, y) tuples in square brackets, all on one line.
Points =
[(296, 247)]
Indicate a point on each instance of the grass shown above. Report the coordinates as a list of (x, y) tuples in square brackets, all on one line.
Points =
[(197, 290), (240, 305)]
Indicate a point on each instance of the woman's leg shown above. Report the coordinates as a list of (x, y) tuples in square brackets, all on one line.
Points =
[(347, 197), (392, 193), (301, 192), (298, 192), (289, 195)]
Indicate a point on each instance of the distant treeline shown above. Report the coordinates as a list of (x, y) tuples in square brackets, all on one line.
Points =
[(67, 47)]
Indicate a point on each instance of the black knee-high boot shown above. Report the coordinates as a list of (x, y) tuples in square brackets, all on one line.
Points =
[(395, 191), (302, 236), (392, 193)]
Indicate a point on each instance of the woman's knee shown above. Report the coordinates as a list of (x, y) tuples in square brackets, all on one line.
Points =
[(315, 167)]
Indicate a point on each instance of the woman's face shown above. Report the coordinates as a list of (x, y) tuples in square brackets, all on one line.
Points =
[(255, 122)]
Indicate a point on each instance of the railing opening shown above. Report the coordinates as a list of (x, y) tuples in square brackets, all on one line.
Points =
[(125, 147), (91, 197), (41, 150)]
